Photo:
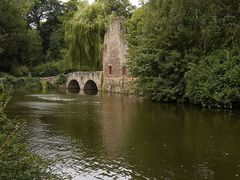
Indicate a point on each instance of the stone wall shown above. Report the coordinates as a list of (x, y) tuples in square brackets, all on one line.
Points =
[(114, 57), (83, 77), (115, 48), (118, 85)]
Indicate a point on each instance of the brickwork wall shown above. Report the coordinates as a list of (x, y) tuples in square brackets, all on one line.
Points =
[(115, 49), (114, 57)]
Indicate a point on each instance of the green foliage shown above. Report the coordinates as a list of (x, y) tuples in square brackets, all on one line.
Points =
[(48, 17), (47, 85), (18, 45), (16, 162), (84, 34), (215, 80), (61, 80), (35, 49), (48, 69), (21, 71), (2, 74), (165, 37), (11, 83), (120, 7), (32, 32), (155, 51), (56, 44), (48, 10)]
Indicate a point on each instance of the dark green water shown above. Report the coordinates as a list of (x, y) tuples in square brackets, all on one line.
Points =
[(119, 137)]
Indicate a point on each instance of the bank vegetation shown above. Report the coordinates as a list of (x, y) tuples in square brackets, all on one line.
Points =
[(187, 51)]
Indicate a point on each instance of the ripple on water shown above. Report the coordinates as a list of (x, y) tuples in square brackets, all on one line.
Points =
[(71, 159), (51, 97)]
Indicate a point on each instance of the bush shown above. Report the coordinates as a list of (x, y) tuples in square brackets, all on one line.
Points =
[(215, 80), (48, 69), (16, 162), (2, 74), (32, 83), (61, 80), (21, 71), (47, 85), (11, 83)]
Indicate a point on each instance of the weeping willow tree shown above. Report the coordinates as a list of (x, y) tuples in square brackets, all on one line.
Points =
[(85, 35)]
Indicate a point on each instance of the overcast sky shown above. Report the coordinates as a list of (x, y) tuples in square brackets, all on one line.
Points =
[(134, 2)]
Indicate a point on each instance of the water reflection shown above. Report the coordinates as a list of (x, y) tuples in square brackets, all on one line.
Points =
[(73, 91), (90, 91), (73, 85), (119, 137)]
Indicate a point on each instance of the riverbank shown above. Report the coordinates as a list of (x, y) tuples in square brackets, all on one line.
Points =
[(10, 83), (16, 161)]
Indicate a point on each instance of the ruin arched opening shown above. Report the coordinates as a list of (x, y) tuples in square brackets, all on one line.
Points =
[(74, 86), (90, 88)]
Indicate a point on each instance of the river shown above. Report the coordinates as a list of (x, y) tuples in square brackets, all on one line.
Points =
[(122, 137)]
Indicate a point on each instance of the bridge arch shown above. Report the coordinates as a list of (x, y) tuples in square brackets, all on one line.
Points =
[(73, 86), (90, 85), (90, 88)]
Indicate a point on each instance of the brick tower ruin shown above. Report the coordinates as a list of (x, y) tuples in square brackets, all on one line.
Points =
[(115, 49), (114, 56)]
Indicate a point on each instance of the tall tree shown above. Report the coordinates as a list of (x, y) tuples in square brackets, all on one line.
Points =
[(86, 30), (57, 43), (48, 17), (120, 7), (45, 17), (166, 38), (45, 10), (85, 33), (15, 39)]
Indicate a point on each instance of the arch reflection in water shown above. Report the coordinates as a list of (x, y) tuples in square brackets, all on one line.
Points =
[(90, 88), (74, 87)]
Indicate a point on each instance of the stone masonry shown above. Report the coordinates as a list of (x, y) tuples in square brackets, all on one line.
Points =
[(83, 77), (114, 57), (115, 49)]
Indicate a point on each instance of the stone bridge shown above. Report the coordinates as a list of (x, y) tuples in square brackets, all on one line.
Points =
[(114, 75), (84, 80), (90, 82)]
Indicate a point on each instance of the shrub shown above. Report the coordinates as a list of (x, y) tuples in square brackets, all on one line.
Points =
[(61, 80), (2, 74), (47, 85), (21, 71), (11, 83), (48, 69), (16, 161), (32, 83), (215, 80)]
